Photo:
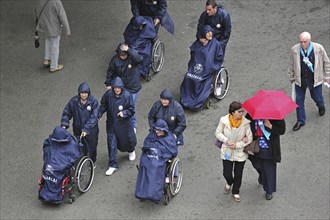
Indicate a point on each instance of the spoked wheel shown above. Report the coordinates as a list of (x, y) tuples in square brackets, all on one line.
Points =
[(221, 84), (157, 56), (84, 174), (176, 175)]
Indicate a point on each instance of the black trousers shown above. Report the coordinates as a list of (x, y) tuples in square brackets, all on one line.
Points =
[(267, 172), (236, 179)]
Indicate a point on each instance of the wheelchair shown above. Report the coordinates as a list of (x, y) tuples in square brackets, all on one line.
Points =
[(173, 180), (157, 57), (80, 176), (220, 86)]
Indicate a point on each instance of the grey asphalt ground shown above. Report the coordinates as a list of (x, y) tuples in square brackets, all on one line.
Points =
[(32, 100)]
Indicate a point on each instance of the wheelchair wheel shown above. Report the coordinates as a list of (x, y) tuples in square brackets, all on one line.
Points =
[(84, 174), (175, 176), (221, 84), (157, 56)]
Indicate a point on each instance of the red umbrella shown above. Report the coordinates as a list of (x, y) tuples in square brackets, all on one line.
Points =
[(269, 104)]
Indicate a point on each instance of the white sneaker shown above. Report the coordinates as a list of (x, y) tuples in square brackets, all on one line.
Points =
[(110, 171), (131, 156)]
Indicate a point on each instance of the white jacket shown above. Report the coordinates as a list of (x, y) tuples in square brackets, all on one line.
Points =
[(225, 132)]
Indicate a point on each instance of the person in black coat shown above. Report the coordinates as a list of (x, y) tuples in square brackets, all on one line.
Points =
[(170, 111), (269, 155), (124, 64), (83, 109), (156, 9), (118, 104)]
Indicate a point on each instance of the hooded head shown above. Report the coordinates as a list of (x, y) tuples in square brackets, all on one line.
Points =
[(117, 82), (166, 97), (119, 51), (60, 135), (139, 22), (84, 88), (206, 29), (161, 125), (166, 94)]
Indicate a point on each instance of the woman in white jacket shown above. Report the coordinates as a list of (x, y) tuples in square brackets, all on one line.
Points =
[(235, 133)]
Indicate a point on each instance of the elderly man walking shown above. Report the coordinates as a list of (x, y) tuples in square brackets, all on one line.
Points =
[(52, 20), (309, 66)]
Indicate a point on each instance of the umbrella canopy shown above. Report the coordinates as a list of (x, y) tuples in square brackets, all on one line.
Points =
[(269, 104)]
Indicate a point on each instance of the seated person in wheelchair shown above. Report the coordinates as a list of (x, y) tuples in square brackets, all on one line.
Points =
[(139, 35), (205, 59), (61, 150), (159, 147), (156, 9)]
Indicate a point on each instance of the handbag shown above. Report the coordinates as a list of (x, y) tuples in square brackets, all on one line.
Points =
[(218, 143), (36, 40), (36, 36), (253, 147)]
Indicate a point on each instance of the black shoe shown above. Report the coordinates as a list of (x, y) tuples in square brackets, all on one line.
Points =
[(147, 77), (269, 196), (321, 110), (297, 126)]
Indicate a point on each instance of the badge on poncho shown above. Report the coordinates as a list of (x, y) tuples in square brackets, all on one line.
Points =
[(120, 108), (89, 108), (129, 66), (172, 118), (218, 25)]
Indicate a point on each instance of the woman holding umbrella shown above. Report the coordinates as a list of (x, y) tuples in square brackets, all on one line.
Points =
[(266, 111), (233, 128), (269, 155)]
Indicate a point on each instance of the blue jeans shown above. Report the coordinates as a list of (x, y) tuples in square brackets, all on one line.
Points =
[(134, 96), (316, 94)]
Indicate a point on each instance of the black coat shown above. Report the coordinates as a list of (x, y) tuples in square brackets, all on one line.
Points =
[(278, 128)]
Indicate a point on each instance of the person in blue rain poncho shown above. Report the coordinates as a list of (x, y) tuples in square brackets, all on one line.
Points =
[(118, 103), (156, 9), (139, 35), (205, 59), (218, 18), (159, 147), (83, 109), (171, 112), (60, 151)]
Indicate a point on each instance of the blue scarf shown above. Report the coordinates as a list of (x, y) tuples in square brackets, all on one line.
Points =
[(305, 58), (263, 129)]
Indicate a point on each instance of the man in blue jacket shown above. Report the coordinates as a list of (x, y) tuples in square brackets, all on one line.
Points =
[(118, 104), (124, 64), (156, 9), (83, 109), (171, 112), (219, 19)]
